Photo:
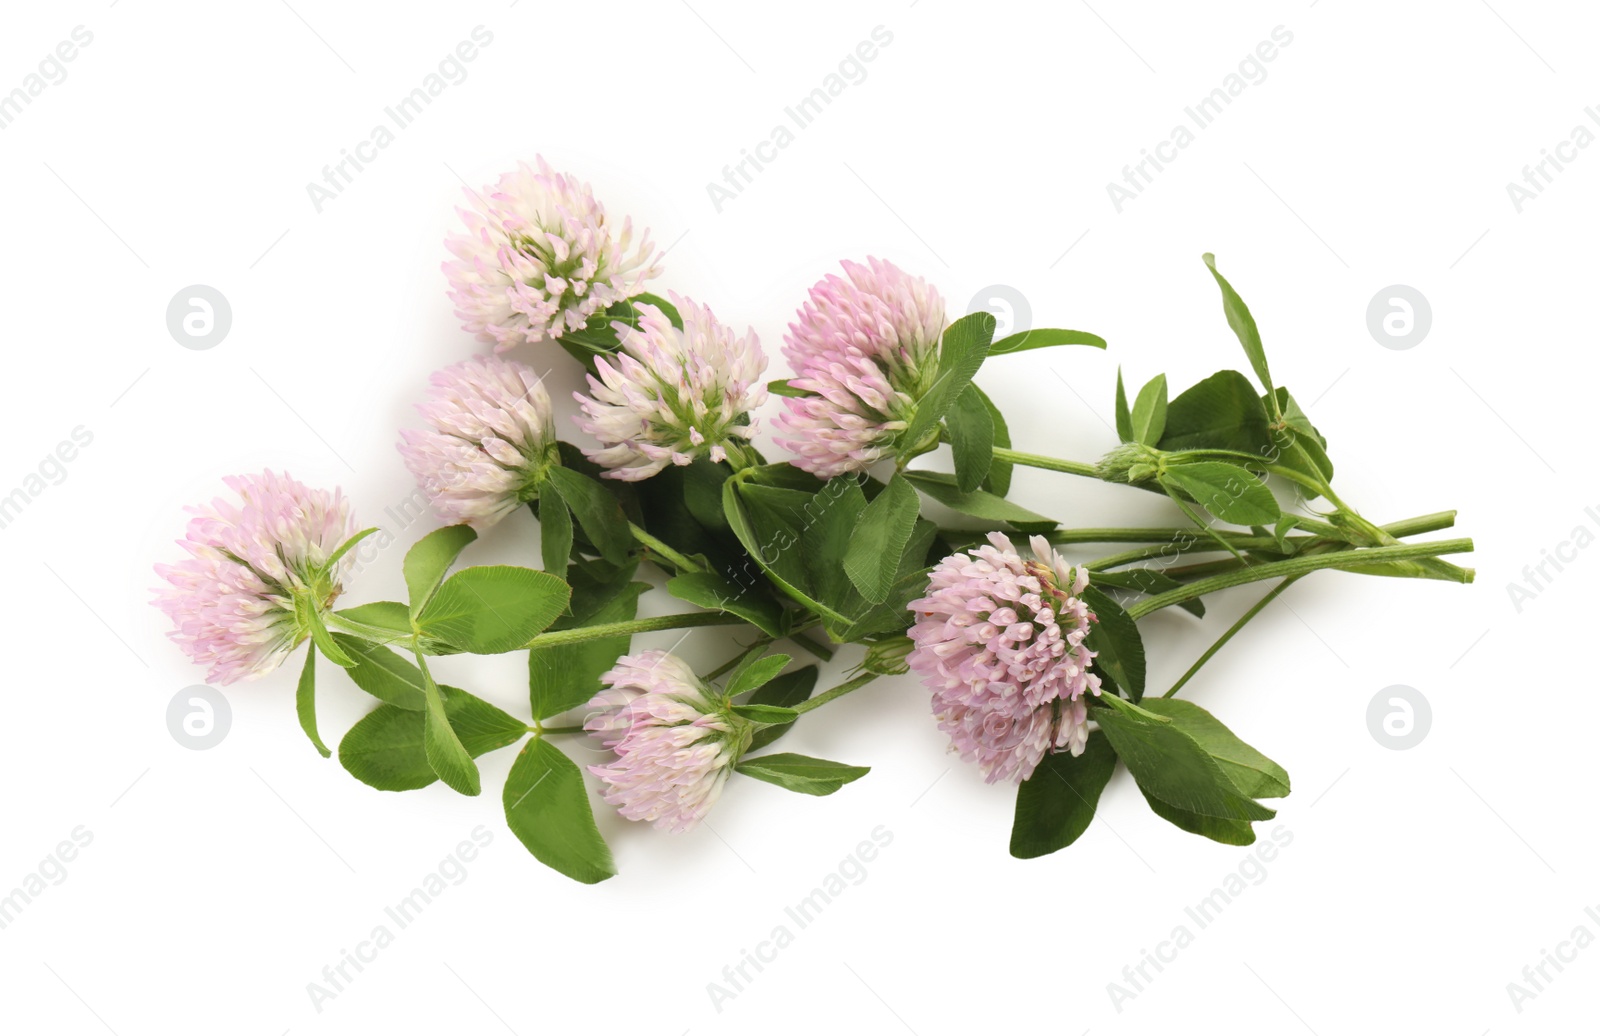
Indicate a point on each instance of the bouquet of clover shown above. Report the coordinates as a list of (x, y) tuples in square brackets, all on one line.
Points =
[(1035, 665)]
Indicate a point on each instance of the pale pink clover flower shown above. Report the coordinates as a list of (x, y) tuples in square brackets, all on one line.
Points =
[(999, 641), (675, 743), (866, 346), (489, 441), (669, 395), (233, 602), (539, 258)]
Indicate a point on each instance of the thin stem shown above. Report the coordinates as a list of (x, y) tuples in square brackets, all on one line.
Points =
[(1421, 524), (1358, 558), (376, 634), (1143, 553), (1034, 460), (1298, 544), (542, 731), (1201, 569), (1440, 569), (958, 537), (822, 651), (1202, 524), (686, 620), (1305, 481), (1405, 527), (1152, 535), (854, 683), (649, 542), (1324, 529), (1318, 545), (1434, 567), (1255, 610), (1354, 529), (1318, 486)]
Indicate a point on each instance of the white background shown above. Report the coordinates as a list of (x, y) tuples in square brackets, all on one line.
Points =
[(976, 152)]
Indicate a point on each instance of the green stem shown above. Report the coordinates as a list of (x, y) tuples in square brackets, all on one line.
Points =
[(854, 683), (1436, 567), (1305, 523), (1318, 486), (651, 543), (1034, 460), (1255, 610), (1159, 550), (1202, 569), (1296, 566), (1421, 524), (959, 537), (1152, 535), (686, 620), (1354, 529), (542, 731), (1163, 537), (376, 634), (1202, 524), (821, 651), (1298, 544)]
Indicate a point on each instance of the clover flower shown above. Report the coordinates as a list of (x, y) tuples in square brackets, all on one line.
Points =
[(669, 396), (539, 258), (489, 441), (235, 601), (999, 641), (866, 346), (676, 744)]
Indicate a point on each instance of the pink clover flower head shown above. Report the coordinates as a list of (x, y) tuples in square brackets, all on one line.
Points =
[(539, 258), (670, 395), (866, 348), (999, 641), (489, 442), (236, 601), (675, 740)]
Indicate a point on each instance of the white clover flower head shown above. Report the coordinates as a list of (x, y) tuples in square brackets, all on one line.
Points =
[(670, 395), (489, 442), (539, 258)]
